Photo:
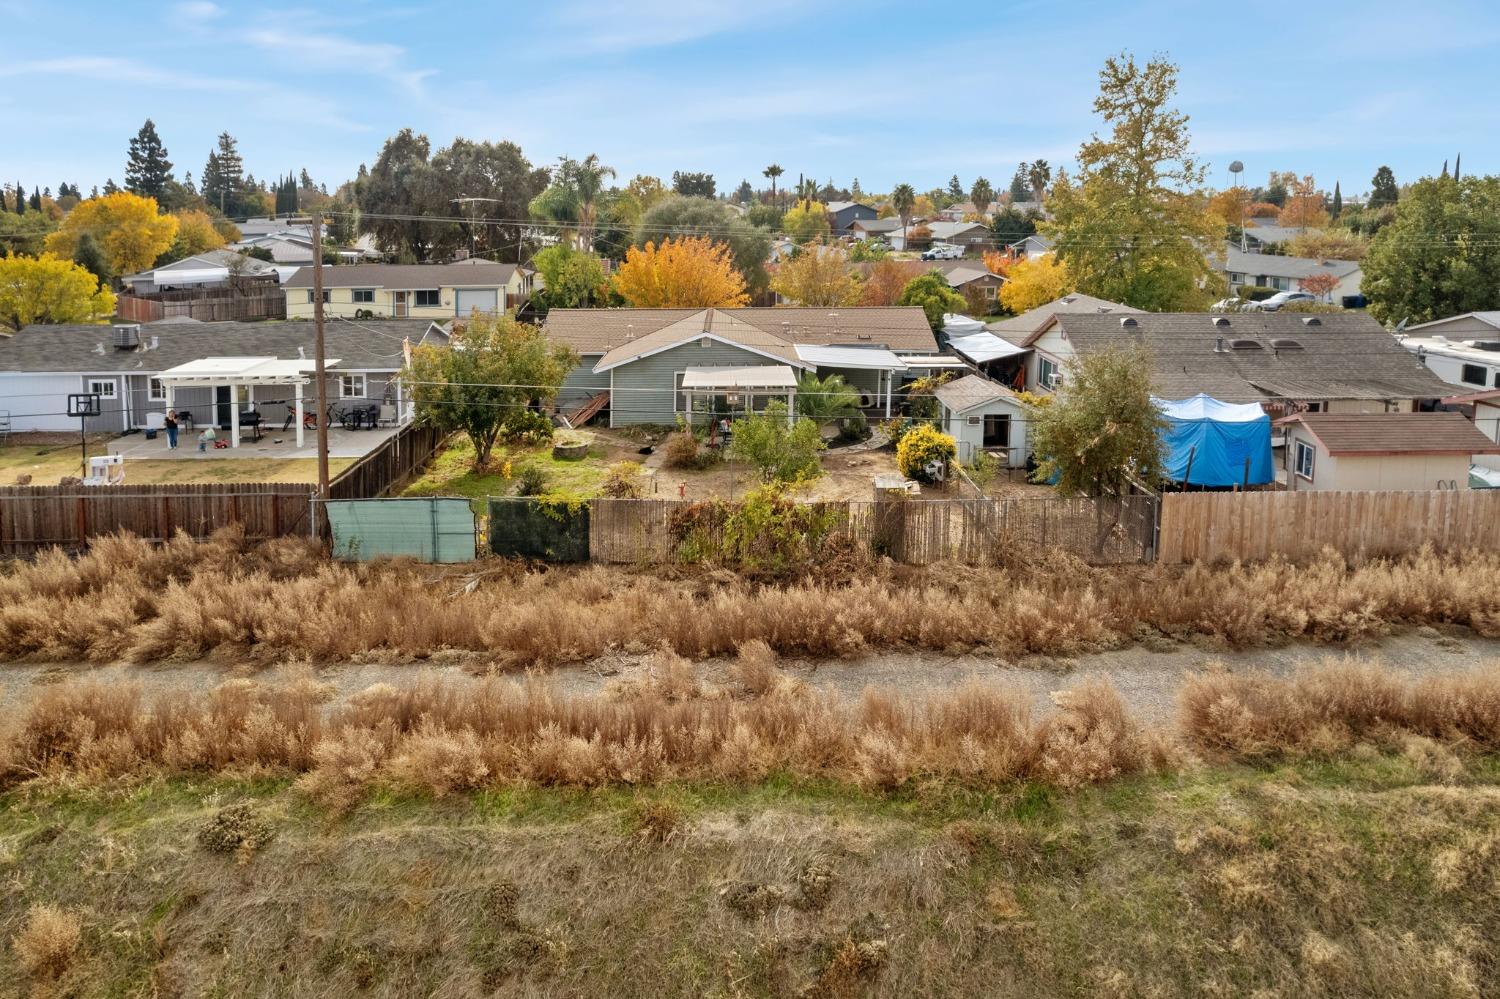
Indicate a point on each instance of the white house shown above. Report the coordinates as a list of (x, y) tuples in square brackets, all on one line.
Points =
[(1381, 451), (981, 415), (1269, 270), (1462, 350)]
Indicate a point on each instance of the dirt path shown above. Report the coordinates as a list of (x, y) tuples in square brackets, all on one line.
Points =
[(1147, 679)]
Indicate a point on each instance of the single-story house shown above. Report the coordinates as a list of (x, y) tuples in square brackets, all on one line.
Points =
[(963, 209), (1270, 270), (429, 291), (1336, 362), (1388, 451), (981, 415), (1023, 331), (42, 365), (971, 235), (1260, 238), (1031, 247), (970, 273), (874, 228), (641, 358), (291, 244), (843, 214), (213, 269)]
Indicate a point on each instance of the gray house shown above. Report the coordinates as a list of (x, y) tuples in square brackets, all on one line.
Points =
[(42, 365), (843, 214), (652, 365)]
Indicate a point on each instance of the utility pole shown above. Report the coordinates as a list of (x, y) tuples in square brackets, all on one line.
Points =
[(473, 222), (317, 239)]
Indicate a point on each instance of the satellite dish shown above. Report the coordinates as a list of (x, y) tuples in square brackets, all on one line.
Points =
[(1236, 167)]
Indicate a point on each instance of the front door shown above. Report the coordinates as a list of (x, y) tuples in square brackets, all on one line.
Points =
[(221, 406), (400, 301)]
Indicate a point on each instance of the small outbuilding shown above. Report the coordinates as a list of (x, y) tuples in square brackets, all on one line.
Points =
[(981, 415), (1217, 444), (1382, 451)]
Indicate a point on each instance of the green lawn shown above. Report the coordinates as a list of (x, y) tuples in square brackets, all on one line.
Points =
[(452, 472)]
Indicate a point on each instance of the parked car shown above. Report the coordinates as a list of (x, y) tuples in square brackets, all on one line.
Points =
[(944, 251), (1232, 304), (1281, 298)]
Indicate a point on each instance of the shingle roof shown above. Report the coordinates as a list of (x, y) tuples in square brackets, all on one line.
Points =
[(88, 348), (1372, 434), (969, 391), (712, 322), (877, 225), (1275, 265), (1338, 355), (838, 206), (1031, 322), (1488, 317), (407, 276), (597, 331), (947, 230), (1273, 233), (960, 276)]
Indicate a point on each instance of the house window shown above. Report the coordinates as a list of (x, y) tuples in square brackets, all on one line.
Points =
[(1047, 373), (996, 430), (989, 293), (364, 295), (428, 298), (156, 391), (973, 421), (1313, 407), (1303, 460), (311, 296), (352, 387), (1474, 374), (104, 390)]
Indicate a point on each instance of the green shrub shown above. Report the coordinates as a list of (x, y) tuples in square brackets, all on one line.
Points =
[(854, 429), (919, 447), (525, 426), (779, 451), (531, 480), (1255, 292)]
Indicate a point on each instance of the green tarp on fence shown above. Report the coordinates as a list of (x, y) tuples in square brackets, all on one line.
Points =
[(430, 529), (530, 528)]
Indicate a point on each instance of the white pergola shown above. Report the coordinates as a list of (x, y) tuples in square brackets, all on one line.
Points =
[(752, 381), (211, 372)]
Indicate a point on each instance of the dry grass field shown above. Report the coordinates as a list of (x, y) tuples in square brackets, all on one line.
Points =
[(1333, 832)]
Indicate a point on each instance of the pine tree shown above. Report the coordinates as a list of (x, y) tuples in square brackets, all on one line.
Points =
[(36, 199), (89, 255), (1383, 188), (855, 194), (1338, 200), (1457, 160), (187, 182), (1020, 184), (110, 187), (20, 199), (213, 183), (2, 200), (147, 168), (955, 189), (307, 181), (224, 176)]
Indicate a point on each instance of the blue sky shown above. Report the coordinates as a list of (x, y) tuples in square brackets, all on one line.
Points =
[(883, 91)]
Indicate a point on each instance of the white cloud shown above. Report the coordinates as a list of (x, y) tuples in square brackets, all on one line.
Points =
[(199, 10), (332, 53)]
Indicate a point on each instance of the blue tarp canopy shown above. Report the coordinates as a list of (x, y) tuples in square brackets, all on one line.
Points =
[(1216, 437)]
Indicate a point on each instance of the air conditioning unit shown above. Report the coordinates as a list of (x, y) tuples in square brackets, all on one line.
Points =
[(127, 336), (1054, 379)]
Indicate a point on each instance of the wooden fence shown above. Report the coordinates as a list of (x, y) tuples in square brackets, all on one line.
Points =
[(391, 463), (37, 517), (269, 303), (915, 532), (1298, 525)]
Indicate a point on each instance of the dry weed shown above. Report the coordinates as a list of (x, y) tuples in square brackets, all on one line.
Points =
[(46, 945)]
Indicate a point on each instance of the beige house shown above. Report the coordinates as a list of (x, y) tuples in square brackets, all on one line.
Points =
[(417, 291), (1381, 451)]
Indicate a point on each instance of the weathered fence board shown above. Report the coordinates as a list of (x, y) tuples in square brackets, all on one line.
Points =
[(1298, 525), (393, 461), (37, 517)]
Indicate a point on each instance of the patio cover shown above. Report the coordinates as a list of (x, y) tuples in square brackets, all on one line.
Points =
[(248, 371), (877, 358), (982, 347), (763, 376)]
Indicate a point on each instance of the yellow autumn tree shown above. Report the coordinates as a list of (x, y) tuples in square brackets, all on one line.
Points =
[(46, 289), (1304, 205), (1229, 205), (819, 275), (128, 227), (196, 233), (686, 273), (1035, 282), (805, 222)]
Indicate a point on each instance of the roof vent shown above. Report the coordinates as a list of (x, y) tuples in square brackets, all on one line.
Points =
[(1311, 321), (1284, 344), (1221, 320), (127, 336), (1487, 344), (1246, 345), (1127, 322), (1067, 299)]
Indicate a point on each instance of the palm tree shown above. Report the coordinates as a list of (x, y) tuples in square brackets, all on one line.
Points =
[(773, 171), (982, 194), (904, 199), (826, 400), (586, 181), (807, 191)]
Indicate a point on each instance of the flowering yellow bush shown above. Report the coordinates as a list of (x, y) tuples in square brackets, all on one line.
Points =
[(922, 445)]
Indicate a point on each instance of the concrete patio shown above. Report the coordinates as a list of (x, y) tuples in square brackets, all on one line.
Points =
[(274, 443)]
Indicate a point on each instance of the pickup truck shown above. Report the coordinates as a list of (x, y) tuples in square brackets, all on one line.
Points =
[(943, 251)]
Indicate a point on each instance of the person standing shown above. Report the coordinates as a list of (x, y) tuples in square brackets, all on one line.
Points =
[(171, 430)]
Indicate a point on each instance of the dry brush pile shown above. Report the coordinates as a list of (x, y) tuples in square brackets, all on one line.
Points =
[(126, 599), (442, 735)]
